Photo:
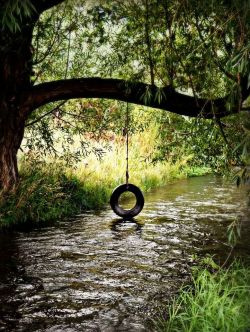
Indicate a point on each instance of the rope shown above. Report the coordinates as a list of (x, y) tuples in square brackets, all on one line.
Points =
[(127, 136)]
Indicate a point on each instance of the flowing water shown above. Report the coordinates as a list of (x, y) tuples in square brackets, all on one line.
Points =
[(97, 273)]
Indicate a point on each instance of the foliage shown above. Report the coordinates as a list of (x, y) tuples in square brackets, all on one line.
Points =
[(78, 122), (234, 233), (216, 301), (203, 140), (199, 48), (49, 189), (102, 120), (41, 195), (14, 12), (242, 175)]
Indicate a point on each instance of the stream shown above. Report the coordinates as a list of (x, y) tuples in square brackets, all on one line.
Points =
[(96, 273)]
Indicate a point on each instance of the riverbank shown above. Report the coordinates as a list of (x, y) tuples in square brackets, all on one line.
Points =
[(51, 191), (216, 300)]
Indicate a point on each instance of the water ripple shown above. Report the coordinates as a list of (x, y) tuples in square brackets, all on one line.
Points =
[(96, 273)]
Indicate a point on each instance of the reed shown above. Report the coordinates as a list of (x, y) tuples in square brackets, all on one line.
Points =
[(215, 301)]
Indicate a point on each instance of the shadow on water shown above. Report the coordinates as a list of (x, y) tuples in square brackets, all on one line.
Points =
[(99, 273), (8, 273), (124, 227), (13, 283)]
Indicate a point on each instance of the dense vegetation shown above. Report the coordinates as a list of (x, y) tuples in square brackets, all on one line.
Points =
[(185, 64), (69, 166), (189, 58), (56, 186)]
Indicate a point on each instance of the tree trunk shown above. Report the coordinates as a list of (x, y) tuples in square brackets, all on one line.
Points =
[(11, 135), (15, 73)]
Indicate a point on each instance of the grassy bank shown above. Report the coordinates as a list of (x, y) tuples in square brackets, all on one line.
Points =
[(47, 193), (217, 301), (48, 190)]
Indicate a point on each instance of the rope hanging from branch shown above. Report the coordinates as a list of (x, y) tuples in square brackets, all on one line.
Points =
[(114, 199), (127, 142)]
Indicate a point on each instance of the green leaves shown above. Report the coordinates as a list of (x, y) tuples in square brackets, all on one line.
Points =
[(147, 95), (193, 47), (160, 95), (239, 65), (234, 232), (13, 12), (203, 140)]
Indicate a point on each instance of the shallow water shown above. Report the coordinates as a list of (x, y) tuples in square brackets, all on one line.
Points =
[(96, 273)]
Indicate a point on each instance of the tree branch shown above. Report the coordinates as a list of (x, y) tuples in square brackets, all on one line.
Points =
[(42, 5), (122, 90)]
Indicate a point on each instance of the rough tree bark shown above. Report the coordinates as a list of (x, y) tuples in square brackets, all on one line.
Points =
[(15, 73), (11, 135)]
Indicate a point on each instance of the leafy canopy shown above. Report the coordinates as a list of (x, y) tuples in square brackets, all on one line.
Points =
[(200, 48)]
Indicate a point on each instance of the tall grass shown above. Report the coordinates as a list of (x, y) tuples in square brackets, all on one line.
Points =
[(214, 302), (143, 172), (49, 190)]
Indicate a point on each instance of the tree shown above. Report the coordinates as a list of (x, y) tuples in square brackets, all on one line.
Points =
[(202, 47)]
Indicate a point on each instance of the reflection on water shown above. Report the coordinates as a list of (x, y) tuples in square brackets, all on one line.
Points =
[(99, 273)]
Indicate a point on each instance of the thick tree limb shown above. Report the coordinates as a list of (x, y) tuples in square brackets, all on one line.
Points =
[(42, 5), (136, 93)]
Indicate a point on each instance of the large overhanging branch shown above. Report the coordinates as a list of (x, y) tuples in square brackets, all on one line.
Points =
[(42, 5), (138, 93)]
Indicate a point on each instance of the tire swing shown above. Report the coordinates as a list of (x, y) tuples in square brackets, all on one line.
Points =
[(118, 191)]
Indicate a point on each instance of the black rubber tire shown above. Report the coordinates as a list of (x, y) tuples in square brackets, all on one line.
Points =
[(114, 201)]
